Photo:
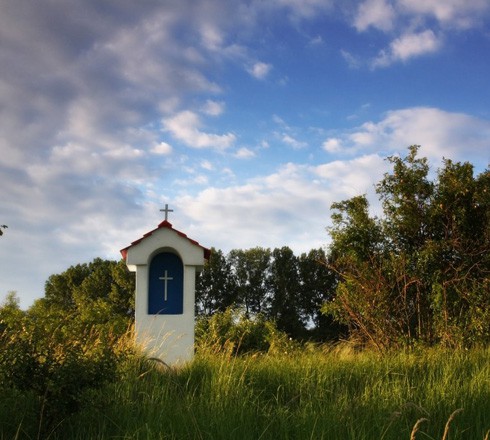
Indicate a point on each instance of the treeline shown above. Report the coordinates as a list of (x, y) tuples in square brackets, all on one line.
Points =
[(275, 284), (417, 274)]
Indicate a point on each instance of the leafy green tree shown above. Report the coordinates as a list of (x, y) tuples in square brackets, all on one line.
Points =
[(276, 285), (420, 273), (251, 274), (100, 292), (317, 286), (215, 288), (458, 260), (286, 303), (11, 314)]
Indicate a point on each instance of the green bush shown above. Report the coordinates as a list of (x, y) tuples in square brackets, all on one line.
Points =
[(233, 332), (57, 365)]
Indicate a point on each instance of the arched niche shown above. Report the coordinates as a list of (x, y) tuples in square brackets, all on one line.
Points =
[(166, 284)]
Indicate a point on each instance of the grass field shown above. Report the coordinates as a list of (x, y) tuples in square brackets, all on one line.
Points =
[(311, 394)]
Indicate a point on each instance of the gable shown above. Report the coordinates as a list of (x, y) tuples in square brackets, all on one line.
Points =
[(165, 236)]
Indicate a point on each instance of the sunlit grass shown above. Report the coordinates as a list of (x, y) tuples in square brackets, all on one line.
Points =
[(317, 394)]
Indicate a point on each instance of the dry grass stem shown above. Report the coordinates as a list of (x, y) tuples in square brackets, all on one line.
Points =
[(416, 427), (451, 417)]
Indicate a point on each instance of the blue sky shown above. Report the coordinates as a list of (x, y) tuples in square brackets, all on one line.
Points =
[(248, 118)]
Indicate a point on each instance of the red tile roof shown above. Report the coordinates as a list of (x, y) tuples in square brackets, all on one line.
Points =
[(168, 225)]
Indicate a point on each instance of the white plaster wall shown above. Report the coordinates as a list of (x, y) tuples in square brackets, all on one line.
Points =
[(167, 337)]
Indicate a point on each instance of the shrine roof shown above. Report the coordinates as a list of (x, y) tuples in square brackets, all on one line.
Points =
[(168, 225)]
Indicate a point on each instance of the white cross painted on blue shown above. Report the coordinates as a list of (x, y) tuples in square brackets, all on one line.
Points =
[(165, 278)]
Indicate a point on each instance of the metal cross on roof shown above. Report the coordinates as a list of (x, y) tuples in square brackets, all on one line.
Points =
[(166, 211)]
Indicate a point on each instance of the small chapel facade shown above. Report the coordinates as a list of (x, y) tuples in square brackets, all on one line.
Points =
[(166, 262)]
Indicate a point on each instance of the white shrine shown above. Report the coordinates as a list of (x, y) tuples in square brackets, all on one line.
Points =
[(166, 262)]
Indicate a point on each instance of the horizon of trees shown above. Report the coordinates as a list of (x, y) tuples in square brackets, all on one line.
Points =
[(419, 273), (275, 284)]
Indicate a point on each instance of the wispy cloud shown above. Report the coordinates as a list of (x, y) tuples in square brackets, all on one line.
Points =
[(408, 46), (379, 14), (461, 14), (186, 127), (291, 141), (260, 70), (419, 26), (162, 148), (441, 134), (244, 153), (213, 108)]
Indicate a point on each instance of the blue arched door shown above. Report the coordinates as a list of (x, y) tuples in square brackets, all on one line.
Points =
[(166, 285)]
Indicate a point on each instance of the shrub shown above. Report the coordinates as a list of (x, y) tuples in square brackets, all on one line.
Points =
[(233, 332), (58, 364)]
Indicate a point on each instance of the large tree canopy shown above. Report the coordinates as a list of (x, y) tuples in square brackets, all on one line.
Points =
[(422, 270), (100, 292)]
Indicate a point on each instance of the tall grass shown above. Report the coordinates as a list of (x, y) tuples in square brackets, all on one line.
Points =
[(308, 394)]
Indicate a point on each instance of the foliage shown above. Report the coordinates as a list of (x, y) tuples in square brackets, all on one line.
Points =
[(251, 273), (276, 285), (215, 288), (68, 343), (100, 293), (233, 332), (421, 272), (2, 227)]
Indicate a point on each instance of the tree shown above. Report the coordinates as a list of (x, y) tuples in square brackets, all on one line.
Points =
[(10, 312), (286, 302), (317, 286), (251, 272), (100, 292), (2, 227), (216, 289), (421, 271)]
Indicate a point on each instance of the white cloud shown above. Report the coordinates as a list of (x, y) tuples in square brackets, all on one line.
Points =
[(332, 145), (377, 13), (419, 26), (278, 120), (259, 70), (290, 207), (354, 177), (409, 46), (162, 148), (456, 136), (207, 165), (353, 61), (289, 140), (244, 153), (316, 41), (212, 37), (213, 108), (301, 9), (451, 13), (185, 126), (198, 179)]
